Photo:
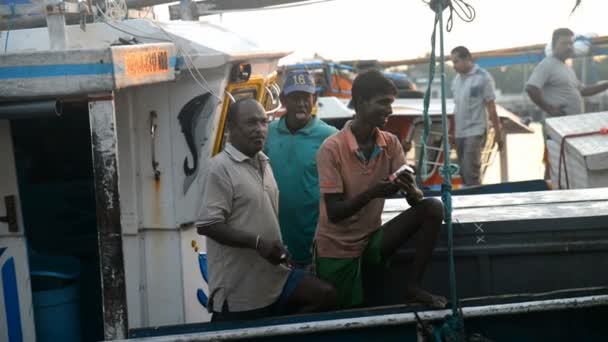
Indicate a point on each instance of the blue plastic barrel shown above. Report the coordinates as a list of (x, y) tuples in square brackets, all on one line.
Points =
[(56, 297)]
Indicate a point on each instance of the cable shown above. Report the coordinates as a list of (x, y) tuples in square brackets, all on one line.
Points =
[(135, 35), (8, 29), (188, 59), (464, 11)]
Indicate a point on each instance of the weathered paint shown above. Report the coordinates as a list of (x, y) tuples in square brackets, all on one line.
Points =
[(56, 73), (143, 64), (14, 245), (105, 170), (398, 319)]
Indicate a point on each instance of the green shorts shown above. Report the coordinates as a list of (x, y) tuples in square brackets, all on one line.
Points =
[(345, 273)]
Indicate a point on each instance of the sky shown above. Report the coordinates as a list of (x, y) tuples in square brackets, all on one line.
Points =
[(401, 29)]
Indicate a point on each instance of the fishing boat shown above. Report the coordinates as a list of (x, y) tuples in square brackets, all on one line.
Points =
[(528, 268), (105, 136), (336, 79)]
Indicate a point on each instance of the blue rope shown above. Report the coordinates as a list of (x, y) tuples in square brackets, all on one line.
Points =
[(446, 187), (425, 111), (452, 329)]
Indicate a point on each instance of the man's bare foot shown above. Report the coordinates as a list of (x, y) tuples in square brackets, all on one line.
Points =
[(416, 295)]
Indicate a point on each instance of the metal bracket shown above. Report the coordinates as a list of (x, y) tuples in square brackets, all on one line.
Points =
[(11, 214), (62, 8), (153, 127)]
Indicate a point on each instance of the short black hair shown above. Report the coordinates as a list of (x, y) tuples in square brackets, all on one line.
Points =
[(560, 32), (235, 108), (369, 84), (462, 52)]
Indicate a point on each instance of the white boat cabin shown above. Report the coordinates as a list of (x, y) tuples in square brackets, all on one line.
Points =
[(103, 148)]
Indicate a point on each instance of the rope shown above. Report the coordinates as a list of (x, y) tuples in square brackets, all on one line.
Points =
[(562, 153), (425, 112), (463, 10), (452, 329)]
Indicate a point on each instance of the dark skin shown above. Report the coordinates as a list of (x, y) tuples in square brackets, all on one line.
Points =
[(423, 218), (248, 131), (298, 106), (562, 50)]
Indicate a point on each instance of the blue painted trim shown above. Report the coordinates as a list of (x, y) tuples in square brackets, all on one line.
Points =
[(202, 297), (11, 301), (15, 2), (55, 70), (38, 71), (200, 294), (490, 62), (319, 65), (202, 262)]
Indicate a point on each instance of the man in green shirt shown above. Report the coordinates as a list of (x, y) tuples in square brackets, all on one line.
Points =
[(292, 145)]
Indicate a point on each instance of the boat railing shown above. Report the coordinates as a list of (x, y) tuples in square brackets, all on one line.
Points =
[(434, 153)]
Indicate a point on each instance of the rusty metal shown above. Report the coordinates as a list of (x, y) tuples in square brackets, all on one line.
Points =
[(11, 214), (105, 171), (153, 128)]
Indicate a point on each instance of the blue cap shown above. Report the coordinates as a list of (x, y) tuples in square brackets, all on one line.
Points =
[(298, 80)]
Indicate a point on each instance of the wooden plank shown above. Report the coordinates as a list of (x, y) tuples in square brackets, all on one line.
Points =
[(207, 7), (19, 10), (105, 173), (53, 73), (524, 212), (56, 73), (515, 199)]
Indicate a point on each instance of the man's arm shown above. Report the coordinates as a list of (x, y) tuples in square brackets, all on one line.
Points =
[(339, 208), (217, 208), (536, 95), (594, 89), (491, 109), (273, 251), (225, 235)]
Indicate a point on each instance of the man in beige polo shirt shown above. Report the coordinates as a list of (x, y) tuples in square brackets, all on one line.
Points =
[(249, 272), (354, 166)]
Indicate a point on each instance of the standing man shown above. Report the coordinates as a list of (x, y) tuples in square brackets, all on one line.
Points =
[(248, 273), (553, 85), (354, 167), (473, 89), (293, 142)]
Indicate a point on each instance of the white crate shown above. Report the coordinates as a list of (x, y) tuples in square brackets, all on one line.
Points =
[(586, 157)]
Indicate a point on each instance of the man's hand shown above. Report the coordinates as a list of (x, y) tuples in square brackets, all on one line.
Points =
[(553, 110), (405, 181), (407, 184), (384, 189), (273, 251)]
